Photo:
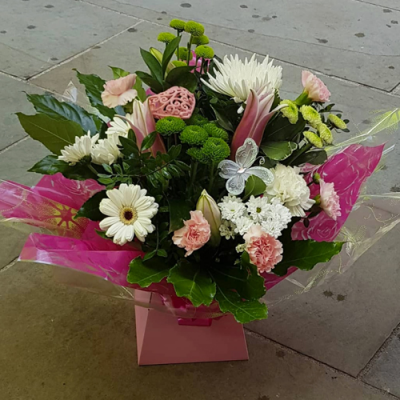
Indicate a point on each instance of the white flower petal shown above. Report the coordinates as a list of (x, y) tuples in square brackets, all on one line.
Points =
[(114, 229), (107, 222), (116, 197), (107, 207)]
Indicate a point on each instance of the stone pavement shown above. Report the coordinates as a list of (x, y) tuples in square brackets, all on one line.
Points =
[(339, 341)]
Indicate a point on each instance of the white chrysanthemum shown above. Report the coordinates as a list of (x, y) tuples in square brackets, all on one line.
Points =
[(231, 208), (236, 78), (129, 212), (243, 224), (227, 229), (80, 149), (119, 126), (292, 190), (106, 151)]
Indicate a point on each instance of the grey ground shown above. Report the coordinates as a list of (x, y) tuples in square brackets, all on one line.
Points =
[(340, 341)]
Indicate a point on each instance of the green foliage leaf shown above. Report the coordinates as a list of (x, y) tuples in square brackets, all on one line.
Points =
[(118, 72), (315, 157), (254, 187), (154, 85), (179, 211), (193, 282), (54, 134), (94, 86), (90, 209), (141, 93), (153, 65), (50, 165), (278, 150), (148, 141), (49, 105), (305, 254), (169, 52), (144, 273), (280, 129), (181, 76)]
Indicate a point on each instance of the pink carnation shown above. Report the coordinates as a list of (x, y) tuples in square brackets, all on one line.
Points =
[(329, 199), (194, 235), (119, 91), (314, 87), (264, 250)]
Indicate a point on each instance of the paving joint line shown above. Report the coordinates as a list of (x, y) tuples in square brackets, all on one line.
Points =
[(67, 60), (376, 5), (338, 371), (396, 90), (9, 265), (10, 146)]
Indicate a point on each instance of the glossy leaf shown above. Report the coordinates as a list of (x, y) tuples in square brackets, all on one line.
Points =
[(55, 134), (181, 76), (315, 157), (90, 208), (179, 211), (144, 273), (118, 72), (141, 93), (148, 141), (278, 150), (154, 85), (153, 65), (280, 129), (254, 187), (193, 282), (168, 53)]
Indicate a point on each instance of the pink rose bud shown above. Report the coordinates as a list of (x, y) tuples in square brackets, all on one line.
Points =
[(195, 233), (264, 250), (119, 92), (314, 87)]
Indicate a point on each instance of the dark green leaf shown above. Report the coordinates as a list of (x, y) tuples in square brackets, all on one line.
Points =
[(153, 65), (193, 282), (254, 187), (148, 141), (174, 151), (141, 93), (154, 85), (315, 157), (54, 134), (305, 254), (280, 129), (181, 76), (150, 255), (118, 72), (179, 211), (90, 209), (169, 52), (49, 105), (278, 150), (129, 147), (162, 253), (144, 273)]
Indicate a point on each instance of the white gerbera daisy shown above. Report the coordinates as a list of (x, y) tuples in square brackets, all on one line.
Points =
[(119, 126), (106, 151), (80, 149), (236, 78), (129, 212)]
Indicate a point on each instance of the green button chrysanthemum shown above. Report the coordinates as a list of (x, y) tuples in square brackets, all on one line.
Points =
[(204, 52), (215, 150), (314, 139), (198, 155), (199, 40), (166, 37), (291, 112), (311, 115), (178, 63), (194, 135), (183, 53), (325, 133), (339, 123), (177, 24), (170, 125), (194, 28), (197, 119), (214, 131)]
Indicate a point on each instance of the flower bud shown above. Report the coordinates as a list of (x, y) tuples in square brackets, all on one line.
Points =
[(291, 112), (335, 120), (325, 133), (314, 139), (311, 115), (211, 212), (159, 56)]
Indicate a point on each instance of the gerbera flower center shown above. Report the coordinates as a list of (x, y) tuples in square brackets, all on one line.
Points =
[(128, 215)]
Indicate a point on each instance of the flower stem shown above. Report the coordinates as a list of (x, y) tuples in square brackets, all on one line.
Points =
[(212, 177), (193, 173), (302, 151), (189, 48), (92, 169)]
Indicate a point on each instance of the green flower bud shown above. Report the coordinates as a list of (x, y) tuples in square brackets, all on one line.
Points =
[(316, 177), (314, 139), (177, 24), (194, 135), (199, 40), (197, 119), (170, 125), (157, 54), (325, 133), (216, 150), (204, 52), (183, 53), (166, 37), (211, 212), (177, 63), (291, 112), (339, 123), (311, 115), (194, 28), (216, 132)]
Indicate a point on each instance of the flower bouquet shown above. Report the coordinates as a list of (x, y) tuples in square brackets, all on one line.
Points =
[(204, 190)]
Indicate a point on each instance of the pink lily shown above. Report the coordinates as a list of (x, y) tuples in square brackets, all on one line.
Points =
[(255, 118), (142, 123)]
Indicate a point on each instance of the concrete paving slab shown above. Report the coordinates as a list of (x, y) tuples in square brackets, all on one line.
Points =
[(38, 34), (61, 343), (345, 321), (390, 5), (383, 371), (358, 44)]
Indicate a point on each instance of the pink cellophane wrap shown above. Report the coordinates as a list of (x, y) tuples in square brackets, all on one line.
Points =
[(96, 264)]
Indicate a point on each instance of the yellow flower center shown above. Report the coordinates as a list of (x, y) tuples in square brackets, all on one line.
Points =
[(128, 215)]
